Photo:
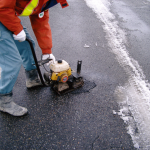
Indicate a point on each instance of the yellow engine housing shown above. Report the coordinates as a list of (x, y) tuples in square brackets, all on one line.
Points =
[(61, 76)]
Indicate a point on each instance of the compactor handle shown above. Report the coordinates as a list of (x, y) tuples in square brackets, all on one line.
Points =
[(36, 62)]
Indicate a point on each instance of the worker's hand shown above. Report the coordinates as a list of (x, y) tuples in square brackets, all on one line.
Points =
[(49, 56), (20, 36)]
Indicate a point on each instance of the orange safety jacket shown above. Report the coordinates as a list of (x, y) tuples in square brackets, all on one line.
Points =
[(11, 9)]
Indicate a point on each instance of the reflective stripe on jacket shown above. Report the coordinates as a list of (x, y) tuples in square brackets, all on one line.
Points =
[(28, 10), (11, 9)]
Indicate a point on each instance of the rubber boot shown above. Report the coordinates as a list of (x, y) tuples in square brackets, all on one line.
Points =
[(7, 105), (32, 79)]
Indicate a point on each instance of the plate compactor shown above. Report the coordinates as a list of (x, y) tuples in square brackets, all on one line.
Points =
[(60, 76)]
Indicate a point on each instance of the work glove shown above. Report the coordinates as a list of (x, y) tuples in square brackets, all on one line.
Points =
[(49, 56), (20, 36)]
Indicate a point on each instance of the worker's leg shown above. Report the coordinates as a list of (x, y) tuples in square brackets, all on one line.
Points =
[(24, 48), (10, 63)]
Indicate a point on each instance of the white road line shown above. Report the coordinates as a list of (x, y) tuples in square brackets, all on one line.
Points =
[(0, 72), (134, 97)]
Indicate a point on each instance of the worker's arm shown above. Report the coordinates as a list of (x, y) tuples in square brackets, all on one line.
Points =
[(63, 3), (8, 17), (42, 32)]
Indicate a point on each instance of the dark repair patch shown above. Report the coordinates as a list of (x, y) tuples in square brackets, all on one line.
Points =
[(88, 85)]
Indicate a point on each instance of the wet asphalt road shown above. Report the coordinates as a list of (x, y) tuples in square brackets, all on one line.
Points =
[(81, 120)]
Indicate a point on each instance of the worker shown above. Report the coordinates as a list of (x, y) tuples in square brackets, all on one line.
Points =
[(15, 50)]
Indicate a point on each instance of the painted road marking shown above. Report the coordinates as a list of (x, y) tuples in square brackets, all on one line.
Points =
[(134, 96), (0, 72)]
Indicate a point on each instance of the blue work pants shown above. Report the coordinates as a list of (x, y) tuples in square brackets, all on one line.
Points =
[(13, 54)]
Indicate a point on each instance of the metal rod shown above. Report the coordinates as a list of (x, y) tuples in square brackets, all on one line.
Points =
[(79, 63)]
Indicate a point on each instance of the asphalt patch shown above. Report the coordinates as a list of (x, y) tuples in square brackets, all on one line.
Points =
[(88, 85)]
